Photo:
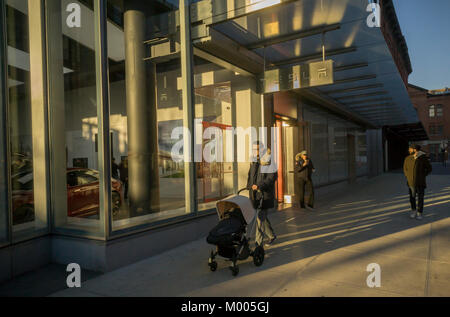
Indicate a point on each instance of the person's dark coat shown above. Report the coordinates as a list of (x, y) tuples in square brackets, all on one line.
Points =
[(304, 172), (115, 171), (408, 169), (265, 183), (123, 168), (422, 168)]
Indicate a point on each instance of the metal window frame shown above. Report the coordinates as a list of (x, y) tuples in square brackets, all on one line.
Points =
[(4, 133), (103, 115), (187, 75), (104, 161)]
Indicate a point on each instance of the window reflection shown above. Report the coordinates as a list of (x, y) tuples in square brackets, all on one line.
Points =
[(20, 114), (145, 106), (73, 118)]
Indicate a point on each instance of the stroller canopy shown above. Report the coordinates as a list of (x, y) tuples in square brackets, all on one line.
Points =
[(237, 201)]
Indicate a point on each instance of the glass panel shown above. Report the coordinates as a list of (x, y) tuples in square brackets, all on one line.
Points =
[(439, 111), (319, 144), (146, 106), (73, 113), (432, 111), (3, 144), (361, 153), (215, 113), (26, 218), (338, 152)]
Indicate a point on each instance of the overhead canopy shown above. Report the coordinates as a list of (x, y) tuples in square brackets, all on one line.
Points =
[(277, 34), (413, 132)]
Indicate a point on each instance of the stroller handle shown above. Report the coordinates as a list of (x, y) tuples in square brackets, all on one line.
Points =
[(241, 190), (261, 200)]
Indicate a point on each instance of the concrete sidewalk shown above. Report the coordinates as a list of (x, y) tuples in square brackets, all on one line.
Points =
[(320, 253)]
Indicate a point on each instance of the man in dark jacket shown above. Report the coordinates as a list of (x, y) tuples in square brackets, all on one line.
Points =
[(304, 168), (416, 170), (408, 170), (262, 186)]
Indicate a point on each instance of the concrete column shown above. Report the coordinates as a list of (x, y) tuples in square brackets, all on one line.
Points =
[(38, 111), (141, 111), (247, 104), (57, 114)]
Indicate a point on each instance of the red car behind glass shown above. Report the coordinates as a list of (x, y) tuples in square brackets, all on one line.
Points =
[(82, 194)]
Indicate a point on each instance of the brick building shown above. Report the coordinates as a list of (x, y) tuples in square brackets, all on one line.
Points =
[(433, 109)]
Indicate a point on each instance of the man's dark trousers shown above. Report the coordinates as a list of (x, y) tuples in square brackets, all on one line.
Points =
[(308, 185), (420, 193)]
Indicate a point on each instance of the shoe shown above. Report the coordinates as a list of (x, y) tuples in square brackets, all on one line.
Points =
[(310, 208), (419, 216), (269, 243), (412, 215)]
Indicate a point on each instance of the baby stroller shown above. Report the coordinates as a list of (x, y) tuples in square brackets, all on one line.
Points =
[(230, 235)]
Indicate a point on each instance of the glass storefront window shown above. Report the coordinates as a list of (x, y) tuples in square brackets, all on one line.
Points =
[(73, 112), (338, 150), (317, 121), (361, 153), (145, 107), (215, 111), (28, 194)]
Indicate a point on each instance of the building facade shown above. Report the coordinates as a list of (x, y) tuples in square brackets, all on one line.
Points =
[(433, 109), (111, 108)]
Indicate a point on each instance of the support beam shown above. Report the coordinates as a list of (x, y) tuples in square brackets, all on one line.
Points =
[(368, 101), (349, 67), (355, 79), (338, 91), (377, 93), (293, 36), (312, 57), (373, 106)]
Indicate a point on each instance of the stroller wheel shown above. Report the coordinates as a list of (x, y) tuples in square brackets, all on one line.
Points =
[(213, 266), (258, 256), (234, 270)]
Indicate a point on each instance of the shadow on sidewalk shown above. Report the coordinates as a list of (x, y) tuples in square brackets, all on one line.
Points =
[(375, 210)]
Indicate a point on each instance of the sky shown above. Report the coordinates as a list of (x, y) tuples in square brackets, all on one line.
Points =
[(426, 28)]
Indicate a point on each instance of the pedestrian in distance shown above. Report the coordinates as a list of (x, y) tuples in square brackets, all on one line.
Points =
[(304, 168), (123, 167), (262, 186), (443, 157), (416, 168), (115, 169)]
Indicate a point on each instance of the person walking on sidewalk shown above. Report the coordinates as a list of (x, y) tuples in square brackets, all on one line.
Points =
[(262, 186), (416, 168), (304, 168)]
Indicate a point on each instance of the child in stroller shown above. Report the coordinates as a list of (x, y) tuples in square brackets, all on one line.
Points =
[(230, 234)]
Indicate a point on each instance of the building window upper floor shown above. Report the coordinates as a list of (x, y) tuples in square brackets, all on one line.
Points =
[(436, 111), (436, 130)]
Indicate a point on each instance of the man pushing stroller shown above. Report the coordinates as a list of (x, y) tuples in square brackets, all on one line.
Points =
[(261, 185)]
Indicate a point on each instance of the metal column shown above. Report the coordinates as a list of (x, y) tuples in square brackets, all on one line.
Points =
[(141, 111)]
